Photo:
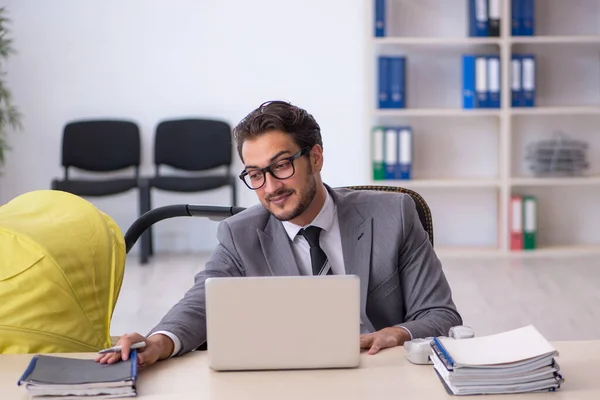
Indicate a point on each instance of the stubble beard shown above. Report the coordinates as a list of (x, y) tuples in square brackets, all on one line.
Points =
[(305, 198)]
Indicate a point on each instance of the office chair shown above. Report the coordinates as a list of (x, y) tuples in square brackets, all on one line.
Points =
[(151, 217), (423, 209), (99, 146), (191, 145)]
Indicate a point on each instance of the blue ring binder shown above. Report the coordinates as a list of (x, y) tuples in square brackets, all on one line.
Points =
[(447, 359)]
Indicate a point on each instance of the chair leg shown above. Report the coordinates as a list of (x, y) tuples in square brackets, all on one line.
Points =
[(150, 242), (145, 206), (144, 251), (149, 234), (233, 194)]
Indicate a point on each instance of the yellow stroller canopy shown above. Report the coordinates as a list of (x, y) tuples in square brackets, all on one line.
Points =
[(61, 269)]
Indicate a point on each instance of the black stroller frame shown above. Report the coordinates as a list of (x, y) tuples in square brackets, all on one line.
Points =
[(137, 229)]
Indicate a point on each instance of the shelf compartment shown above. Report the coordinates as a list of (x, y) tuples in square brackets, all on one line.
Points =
[(566, 218), (443, 149), (527, 129), (426, 18), (433, 79), (560, 18), (473, 221), (567, 78)]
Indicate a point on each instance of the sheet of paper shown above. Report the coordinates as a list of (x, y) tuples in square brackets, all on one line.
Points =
[(507, 347)]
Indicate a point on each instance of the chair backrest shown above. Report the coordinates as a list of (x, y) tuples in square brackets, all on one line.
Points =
[(193, 144), (101, 145), (422, 206)]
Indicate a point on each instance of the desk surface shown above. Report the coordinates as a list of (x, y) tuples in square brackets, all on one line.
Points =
[(386, 375)]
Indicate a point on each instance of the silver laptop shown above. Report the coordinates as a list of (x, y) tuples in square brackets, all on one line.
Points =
[(283, 322)]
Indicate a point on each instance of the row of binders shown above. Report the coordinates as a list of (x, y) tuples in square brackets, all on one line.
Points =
[(483, 17), (523, 222), (522, 80), (392, 81), (392, 152), (482, 77), (523, 17), (481, 81)]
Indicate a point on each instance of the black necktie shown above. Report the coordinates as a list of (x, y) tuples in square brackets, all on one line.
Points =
[(318, 258)]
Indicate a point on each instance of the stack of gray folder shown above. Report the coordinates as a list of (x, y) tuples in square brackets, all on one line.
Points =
[(51, 378), (557, 157)]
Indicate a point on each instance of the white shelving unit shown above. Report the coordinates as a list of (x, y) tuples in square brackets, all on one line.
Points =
[(467, 163)]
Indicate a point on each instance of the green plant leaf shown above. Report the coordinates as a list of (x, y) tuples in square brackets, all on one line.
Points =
[(3, 146), (9, 114)]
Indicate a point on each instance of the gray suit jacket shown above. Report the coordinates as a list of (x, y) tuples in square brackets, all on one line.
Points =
[(383, 242)]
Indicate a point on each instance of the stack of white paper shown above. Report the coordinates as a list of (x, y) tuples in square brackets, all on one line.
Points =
[(517, 361)]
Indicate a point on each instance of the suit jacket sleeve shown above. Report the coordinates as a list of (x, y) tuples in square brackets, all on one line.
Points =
[(187, 319), (430, 310)]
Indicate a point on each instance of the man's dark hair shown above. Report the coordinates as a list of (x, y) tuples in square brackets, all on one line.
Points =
[(281, 116)]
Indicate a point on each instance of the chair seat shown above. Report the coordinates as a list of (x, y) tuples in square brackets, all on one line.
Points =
[(103, 187), (189, 184)]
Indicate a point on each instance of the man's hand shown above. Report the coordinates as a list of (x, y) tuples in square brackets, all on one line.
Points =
[(158, 347), (387, 337)]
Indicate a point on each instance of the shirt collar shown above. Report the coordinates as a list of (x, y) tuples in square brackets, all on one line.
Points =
[(323, 220)]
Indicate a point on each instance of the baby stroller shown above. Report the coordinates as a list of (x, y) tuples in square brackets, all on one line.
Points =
[(61, 268)]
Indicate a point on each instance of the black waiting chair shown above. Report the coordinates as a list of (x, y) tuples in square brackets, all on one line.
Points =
[(192, 146), (99, 146), (145, 222)]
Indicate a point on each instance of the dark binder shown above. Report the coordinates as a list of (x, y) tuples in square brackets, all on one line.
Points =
[(442, 354), (63, 376), (494, 17), (478, 18), (380, 28)]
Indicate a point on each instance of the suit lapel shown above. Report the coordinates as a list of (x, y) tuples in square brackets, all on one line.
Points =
[(277, 250), (356, 233)]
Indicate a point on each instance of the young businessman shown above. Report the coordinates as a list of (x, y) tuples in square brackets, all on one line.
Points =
[(375, 235)]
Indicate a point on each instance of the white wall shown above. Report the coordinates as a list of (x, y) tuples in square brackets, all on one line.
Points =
[(148, 60)]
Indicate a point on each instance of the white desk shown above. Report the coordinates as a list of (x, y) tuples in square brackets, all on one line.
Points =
[(387, 375)]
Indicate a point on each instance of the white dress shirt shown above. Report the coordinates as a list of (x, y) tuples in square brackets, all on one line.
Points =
[(329, 240)]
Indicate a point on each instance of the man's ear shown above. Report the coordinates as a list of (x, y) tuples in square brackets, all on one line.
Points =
[(316, 157)]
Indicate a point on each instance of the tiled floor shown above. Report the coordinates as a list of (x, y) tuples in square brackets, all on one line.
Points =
[(559, 295)]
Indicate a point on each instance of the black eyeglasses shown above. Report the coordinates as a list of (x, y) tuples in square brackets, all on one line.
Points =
[(281, 169)]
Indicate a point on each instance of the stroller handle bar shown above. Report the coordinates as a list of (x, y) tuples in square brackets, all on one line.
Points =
[(215, 213)]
